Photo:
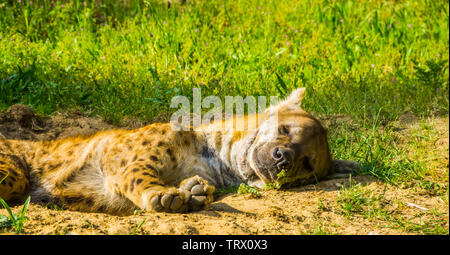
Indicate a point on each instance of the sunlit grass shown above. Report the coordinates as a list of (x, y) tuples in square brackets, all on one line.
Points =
[(130, 58), (12, 220)]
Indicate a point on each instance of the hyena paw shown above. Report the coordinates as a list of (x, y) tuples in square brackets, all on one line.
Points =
[(197, 192), (170, 201)]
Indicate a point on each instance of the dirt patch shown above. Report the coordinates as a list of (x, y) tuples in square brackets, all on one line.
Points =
[(294, 211), (311, 209), (20, 122)]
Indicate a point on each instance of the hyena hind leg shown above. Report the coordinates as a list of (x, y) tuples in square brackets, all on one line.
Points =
[(14, 183)]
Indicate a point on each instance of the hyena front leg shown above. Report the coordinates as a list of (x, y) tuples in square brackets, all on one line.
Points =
[(140, 183)]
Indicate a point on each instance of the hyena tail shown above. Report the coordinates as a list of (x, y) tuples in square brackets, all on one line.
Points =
[(342, 168)]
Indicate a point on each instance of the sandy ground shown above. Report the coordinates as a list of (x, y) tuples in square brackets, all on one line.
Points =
[(311, 209)]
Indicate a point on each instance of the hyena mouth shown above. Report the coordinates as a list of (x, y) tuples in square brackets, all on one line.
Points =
[(295, 175)]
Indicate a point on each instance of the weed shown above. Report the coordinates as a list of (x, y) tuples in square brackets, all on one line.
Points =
[(357, 199), (320, 229), (138, 226), (321, 205), (14, 221), (282, 178), (430, 227), (55, 207), (244, 189), (87, 224), (227, 190)]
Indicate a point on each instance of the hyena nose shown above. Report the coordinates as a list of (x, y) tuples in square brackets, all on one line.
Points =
[(282, 157)]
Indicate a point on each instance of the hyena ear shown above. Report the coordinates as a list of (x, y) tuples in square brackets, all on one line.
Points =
[(296, 96), (293, 101)]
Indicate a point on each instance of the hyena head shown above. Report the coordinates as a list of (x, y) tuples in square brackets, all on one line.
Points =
[(289, 142)]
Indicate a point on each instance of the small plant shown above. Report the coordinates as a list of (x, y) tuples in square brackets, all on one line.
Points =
[(320, 229), (428, 227), (282, 178), (61, 231), (227, 190), (138, 226), (14, 221), (87, 224), (353, 199), (321, 206), (245, 189), (56, 207), (433, 188), (357, 199), (431, 73), (137, 211), (272, 185)]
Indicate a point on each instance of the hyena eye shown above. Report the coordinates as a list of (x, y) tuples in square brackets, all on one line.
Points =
[(284, 130)]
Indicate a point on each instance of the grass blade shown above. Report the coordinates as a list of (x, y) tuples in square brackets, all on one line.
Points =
[(11, 215), (25, 207), (282, 84)]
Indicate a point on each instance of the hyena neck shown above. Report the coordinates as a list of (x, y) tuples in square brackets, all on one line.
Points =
[(227, 150), (215, 152), (240, 155)]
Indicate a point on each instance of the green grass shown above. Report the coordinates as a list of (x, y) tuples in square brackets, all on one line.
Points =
[(320, 229), (281, 179), (226, 190), (129, 58), (244, 189), (138, 226), (430, 227), (357, 199), (14, 221), (55, 207), (321, 205)]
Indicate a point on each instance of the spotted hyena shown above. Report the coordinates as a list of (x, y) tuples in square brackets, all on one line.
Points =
[(158, 168)]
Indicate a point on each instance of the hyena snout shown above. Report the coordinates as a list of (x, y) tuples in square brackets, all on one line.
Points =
[(282, 157)]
